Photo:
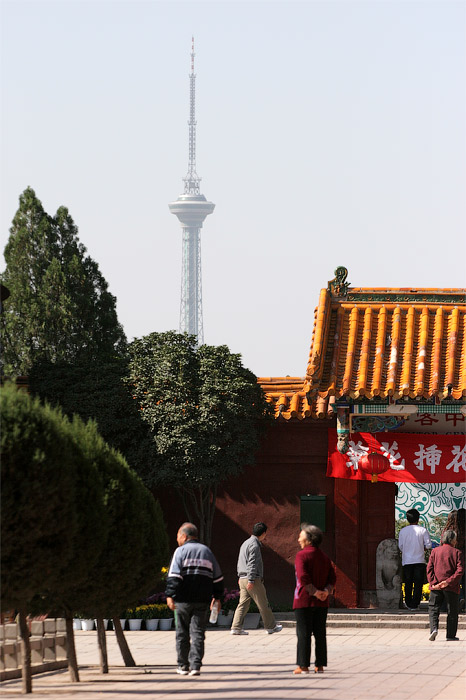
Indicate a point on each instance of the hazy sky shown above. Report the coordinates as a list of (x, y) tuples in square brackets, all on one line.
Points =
[(328, 133)]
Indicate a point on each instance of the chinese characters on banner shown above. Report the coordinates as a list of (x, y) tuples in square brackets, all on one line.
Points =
[(415, 458)]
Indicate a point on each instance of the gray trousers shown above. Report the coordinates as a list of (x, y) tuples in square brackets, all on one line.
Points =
[(259, 596), (191, 624)]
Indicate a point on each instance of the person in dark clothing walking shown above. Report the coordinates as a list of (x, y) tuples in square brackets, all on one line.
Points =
[(444, 572), (194, 586), (315, 581)]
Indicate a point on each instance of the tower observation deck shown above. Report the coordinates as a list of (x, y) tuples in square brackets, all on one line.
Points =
[(191, 208)]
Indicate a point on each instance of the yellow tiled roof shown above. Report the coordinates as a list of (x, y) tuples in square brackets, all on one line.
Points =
[(290, 400), (384, 343)]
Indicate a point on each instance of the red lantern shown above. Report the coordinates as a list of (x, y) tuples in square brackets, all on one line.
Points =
[(373, 464)]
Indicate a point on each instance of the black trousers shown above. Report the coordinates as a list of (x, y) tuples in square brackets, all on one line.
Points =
[(311, 621), (413, 576), (435, 603), (191, 623)]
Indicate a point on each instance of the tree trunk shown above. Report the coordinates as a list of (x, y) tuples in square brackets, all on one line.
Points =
[(210, 514), (184, 500), (122, 643), (202, 516), (202, 500), (102, 645), (71, 649), (25, 653), (206, 511)]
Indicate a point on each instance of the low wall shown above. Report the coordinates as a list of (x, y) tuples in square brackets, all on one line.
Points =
[(48, 647)]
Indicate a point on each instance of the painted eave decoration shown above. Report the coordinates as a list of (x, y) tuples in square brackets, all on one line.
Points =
[(379, 346)]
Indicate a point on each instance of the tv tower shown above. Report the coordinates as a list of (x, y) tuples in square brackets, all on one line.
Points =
[(191, 208)]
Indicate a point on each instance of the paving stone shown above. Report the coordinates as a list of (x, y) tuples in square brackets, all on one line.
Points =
[(377, 664)]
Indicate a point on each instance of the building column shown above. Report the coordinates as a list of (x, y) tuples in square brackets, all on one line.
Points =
[(347, 542)]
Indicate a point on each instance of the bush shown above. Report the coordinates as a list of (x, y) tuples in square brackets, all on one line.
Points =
[(39, 519)]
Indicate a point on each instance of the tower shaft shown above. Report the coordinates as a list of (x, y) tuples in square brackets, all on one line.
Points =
[(191, 285)]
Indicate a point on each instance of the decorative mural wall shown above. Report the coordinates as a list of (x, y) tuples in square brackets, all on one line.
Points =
[(431, 500)]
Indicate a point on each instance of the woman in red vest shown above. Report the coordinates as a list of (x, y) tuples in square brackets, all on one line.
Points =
[(315, 580)]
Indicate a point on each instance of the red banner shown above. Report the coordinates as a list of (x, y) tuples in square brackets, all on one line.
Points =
[(414, 457)]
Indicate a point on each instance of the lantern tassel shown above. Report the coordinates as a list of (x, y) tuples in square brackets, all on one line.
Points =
[(374, 478)]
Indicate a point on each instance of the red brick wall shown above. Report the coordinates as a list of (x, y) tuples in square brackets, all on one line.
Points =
[(292, 463)]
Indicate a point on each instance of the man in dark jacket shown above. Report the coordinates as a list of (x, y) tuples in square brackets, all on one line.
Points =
[(251, 583), (444, 572), (194, 586)]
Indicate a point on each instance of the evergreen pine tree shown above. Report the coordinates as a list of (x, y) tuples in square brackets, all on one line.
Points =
[(60, 307)]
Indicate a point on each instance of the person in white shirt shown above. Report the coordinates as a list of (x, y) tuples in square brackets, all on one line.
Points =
[(413, 540)]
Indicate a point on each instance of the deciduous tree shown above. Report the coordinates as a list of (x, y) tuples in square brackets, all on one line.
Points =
[(205, 412)]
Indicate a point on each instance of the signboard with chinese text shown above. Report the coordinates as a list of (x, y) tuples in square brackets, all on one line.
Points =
[(414, 458), (443, 423)]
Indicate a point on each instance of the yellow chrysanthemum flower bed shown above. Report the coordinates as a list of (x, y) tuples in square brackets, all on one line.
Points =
[(149, 612), (425, 591)]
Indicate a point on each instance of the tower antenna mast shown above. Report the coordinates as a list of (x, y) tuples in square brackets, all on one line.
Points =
[(192, 181), (191, 208)]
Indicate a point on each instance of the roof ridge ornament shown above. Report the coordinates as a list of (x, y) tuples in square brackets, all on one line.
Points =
[(339, 286)]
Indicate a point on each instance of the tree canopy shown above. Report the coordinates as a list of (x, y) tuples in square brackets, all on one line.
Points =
[(205, 412), (60, 307), (136, 546), (38, 515), (98, 391), (79, 529)]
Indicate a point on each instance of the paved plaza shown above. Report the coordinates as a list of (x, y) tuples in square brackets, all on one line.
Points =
[(363, 664)]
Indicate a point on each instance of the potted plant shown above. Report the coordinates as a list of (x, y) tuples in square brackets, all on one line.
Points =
[(134, 617), (105, 621), (164, 616), (149, 615), (252, 619), (87, 625), (225, 618), (230, 601)]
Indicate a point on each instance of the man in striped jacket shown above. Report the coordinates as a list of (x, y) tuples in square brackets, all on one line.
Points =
[(194, 586)]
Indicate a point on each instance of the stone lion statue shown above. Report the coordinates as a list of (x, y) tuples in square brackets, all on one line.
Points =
[(388, 574)]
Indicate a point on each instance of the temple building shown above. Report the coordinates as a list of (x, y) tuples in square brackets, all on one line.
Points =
[(382, 403)]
